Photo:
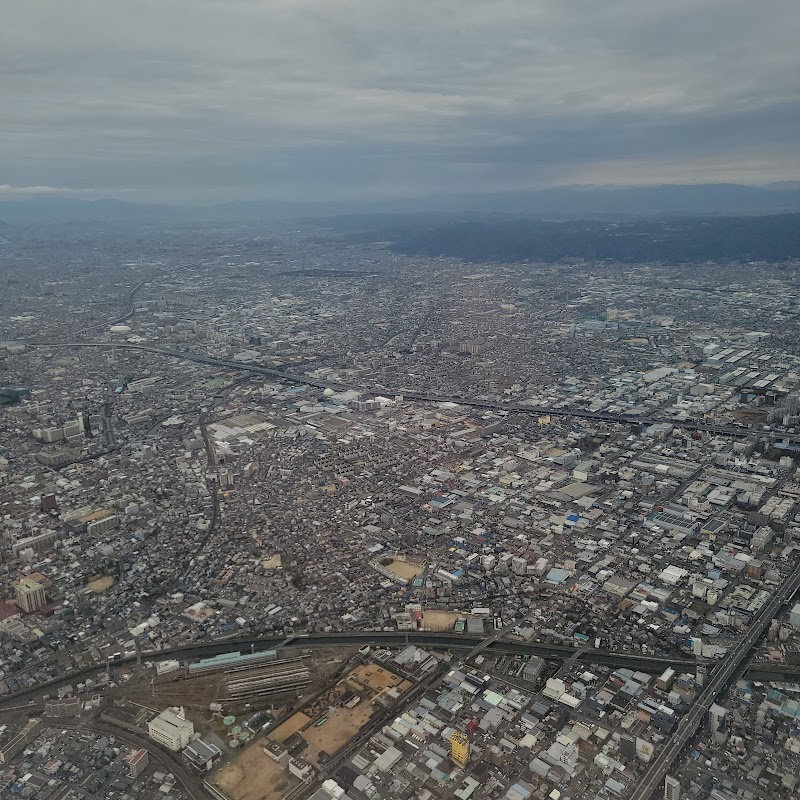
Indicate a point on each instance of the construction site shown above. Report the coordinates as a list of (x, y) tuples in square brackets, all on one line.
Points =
[(343, 711), (313, 734)]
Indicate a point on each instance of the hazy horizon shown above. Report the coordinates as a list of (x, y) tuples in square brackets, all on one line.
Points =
[(11, 194)]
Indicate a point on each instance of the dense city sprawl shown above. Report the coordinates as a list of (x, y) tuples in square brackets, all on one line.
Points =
[(565, 494)]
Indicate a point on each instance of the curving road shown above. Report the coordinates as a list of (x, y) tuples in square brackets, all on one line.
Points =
[(130, 309), (191, 784)]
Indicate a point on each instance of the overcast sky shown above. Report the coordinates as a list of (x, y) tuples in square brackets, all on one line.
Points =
[(205, 100)]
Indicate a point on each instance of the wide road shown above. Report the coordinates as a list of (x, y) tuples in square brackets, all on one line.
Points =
[(213, 488), (735, 431), (652, 779)]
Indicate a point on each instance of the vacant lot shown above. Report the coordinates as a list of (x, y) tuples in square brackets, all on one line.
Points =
[(102, 584), (439, 620), (253, 775), (372, 677), (290, 726), (341, 725), (338, 729)]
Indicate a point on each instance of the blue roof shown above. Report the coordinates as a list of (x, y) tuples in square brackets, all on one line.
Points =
[(557, 575), (229, 659)]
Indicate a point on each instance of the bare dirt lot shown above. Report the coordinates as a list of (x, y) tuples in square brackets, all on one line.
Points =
[(372, 677), (290, 726), (333, 729), (407, 570), (102, 584), (253, 775), (434, 620), (339, 728)]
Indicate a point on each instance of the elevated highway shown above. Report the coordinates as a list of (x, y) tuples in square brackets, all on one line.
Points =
[(733, 431), (652, 779), (130, 309), (434, 641)]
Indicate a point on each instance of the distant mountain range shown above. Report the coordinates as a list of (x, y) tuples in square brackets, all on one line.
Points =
[(556, 203), (677, 240)]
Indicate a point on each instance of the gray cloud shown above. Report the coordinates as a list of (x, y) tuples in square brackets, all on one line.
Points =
[(201, 100)]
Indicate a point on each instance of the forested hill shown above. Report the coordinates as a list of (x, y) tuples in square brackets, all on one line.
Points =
[(693, 240)]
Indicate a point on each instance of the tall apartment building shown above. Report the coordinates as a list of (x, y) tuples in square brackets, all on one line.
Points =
[(102, 525), (716, 722), (672, 788), (30, 595), (51, 434), (137, 761), (13, 745)]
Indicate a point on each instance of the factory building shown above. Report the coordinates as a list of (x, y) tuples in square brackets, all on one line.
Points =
[(171, 729)]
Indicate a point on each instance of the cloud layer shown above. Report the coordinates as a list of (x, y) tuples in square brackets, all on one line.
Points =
[(203, 100), (7, 190)]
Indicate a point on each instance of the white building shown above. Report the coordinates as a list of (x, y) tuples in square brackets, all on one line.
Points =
[(171, 729), (300, 769), (716, 722), (672, 788)]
